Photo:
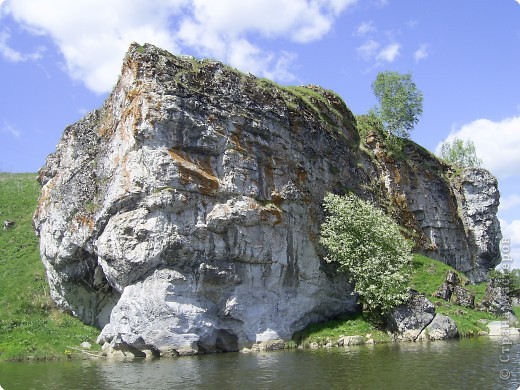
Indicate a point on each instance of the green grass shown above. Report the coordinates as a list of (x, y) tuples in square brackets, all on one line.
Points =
[(30, 325), (428, 276), (331, 331)]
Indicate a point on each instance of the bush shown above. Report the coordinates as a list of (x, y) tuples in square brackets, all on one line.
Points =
[(368, 246)]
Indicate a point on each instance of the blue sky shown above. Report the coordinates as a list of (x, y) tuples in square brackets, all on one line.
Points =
[(60, 58)]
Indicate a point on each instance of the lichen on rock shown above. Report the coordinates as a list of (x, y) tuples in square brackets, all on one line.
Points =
[(183, 216)]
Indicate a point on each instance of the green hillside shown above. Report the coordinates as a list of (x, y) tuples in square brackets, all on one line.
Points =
[(30, 325)]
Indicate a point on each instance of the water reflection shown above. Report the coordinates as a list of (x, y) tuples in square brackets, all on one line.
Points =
[(464, 364)]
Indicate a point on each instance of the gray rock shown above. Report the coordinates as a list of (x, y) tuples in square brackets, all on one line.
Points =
[(183, 216), (497, 301), (441, 328), (463, 297), (350, 341), (271, 345), (444, 291), (452, 278), (407, 321), (8, 224)]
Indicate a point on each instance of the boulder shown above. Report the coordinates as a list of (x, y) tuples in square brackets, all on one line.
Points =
[(452, 278), (444, 291), (347, 341), (463, 297), (407, 321), (8, 224), (441, 328), (497, 301)]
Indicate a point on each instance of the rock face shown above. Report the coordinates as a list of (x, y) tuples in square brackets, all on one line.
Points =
[(183, 216)]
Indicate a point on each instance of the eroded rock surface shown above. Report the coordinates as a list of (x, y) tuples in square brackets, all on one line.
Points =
[(183, 216)]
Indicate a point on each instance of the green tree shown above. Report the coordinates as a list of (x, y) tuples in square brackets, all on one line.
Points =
[(460, 153), (368, 246), (400, 102)]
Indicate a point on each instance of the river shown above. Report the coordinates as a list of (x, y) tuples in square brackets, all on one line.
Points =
[(478, 363)]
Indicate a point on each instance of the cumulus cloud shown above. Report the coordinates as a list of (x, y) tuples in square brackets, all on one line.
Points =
[(510, 245), (496, 143), (389, 53), (421, 53), (511, 231), (509, 202), (368, 50), (93, 35), (371, 50), (364, 29)]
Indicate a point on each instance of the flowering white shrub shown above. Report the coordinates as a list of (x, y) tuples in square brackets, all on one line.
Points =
[(367, 244)]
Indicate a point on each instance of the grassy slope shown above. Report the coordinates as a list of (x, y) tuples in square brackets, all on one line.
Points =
[(30, 326), (428, 276)]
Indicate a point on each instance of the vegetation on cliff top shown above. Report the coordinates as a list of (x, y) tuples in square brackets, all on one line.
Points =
[(30, 324)]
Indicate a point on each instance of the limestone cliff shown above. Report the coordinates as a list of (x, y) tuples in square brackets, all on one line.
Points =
[(183, 216)]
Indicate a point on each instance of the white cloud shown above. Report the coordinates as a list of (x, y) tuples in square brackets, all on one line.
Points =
[(421, 53), (93, 35), (12, 55), (364, 29), (509, 202), (518, 1), (368, 50), (510, 243), (511, 231), (496, 143), (389, 53)]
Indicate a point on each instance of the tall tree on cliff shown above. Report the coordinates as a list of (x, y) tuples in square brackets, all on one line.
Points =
[(400, 103), (460, 153)]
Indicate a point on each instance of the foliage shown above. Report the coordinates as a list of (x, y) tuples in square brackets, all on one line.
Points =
[(460, 153), (369, 122), (368, 246), (30, 325), (400, 102)]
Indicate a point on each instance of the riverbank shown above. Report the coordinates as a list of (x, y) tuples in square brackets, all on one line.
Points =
[(428, 276), (32, 328)]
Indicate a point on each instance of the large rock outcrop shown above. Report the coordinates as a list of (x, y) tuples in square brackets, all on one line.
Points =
[(183, 216)]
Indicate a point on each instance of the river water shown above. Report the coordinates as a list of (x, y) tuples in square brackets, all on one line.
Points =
[(479, 363)]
